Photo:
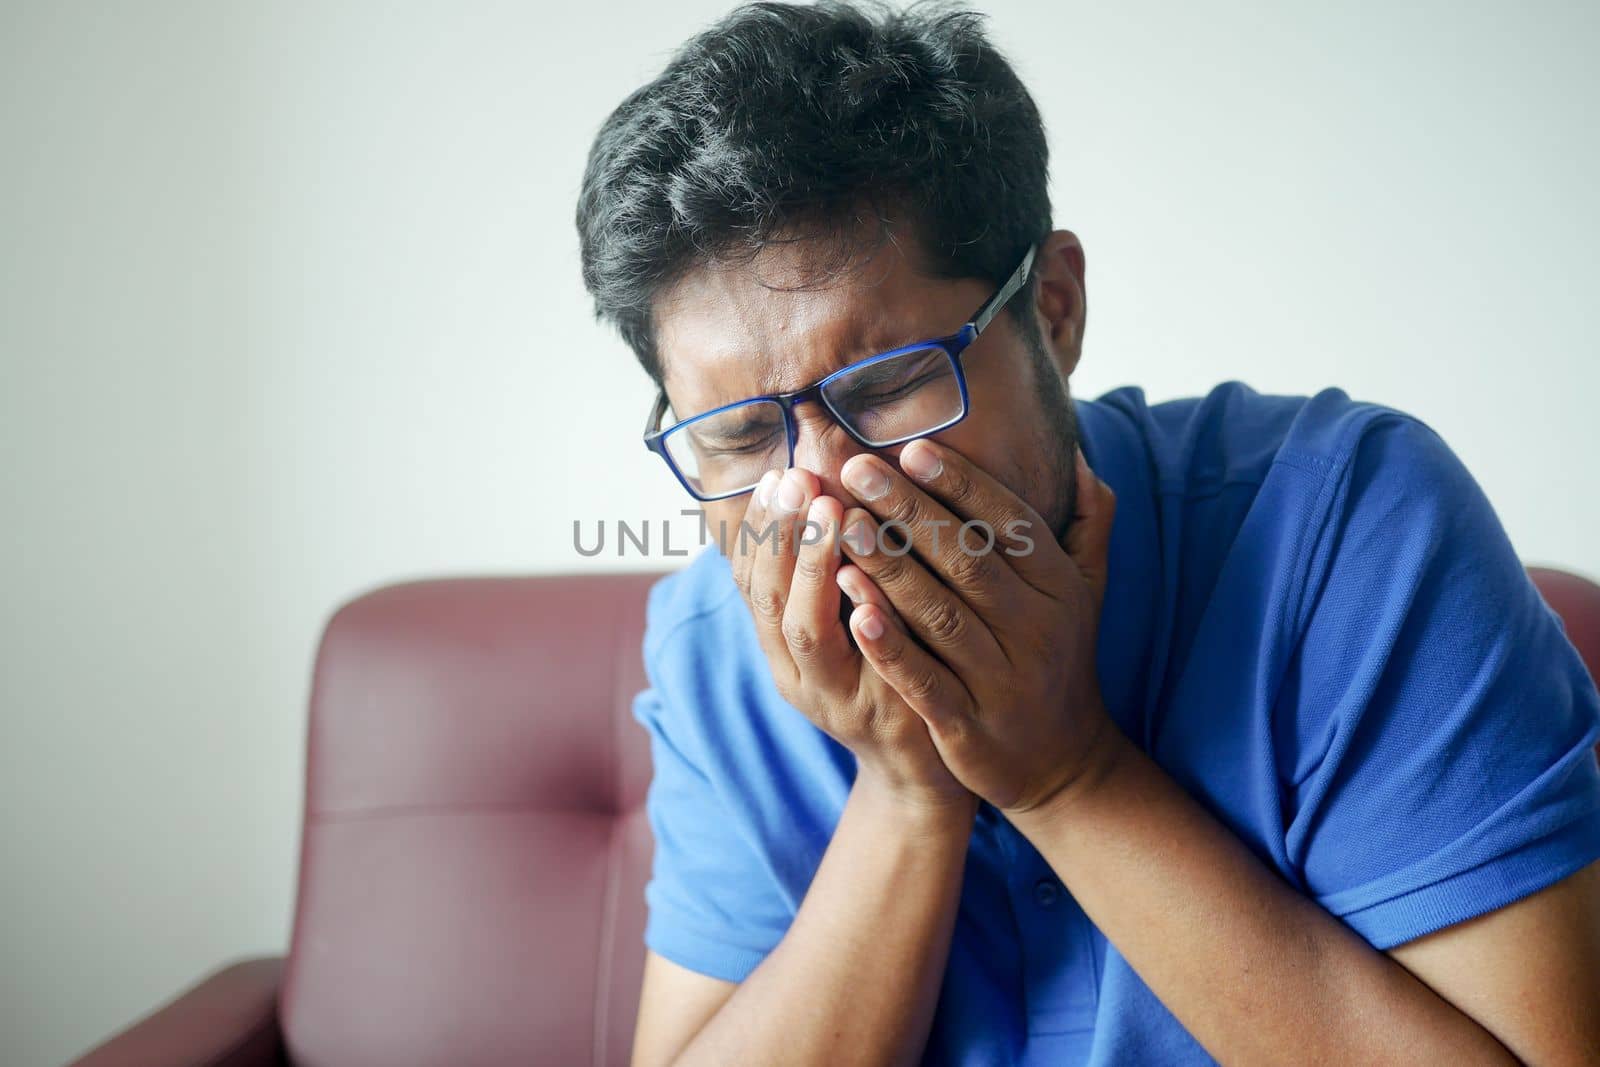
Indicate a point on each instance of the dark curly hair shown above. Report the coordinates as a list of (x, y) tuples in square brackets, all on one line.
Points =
[(784, 119)]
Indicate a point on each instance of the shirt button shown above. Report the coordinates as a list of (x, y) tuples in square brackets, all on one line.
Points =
[(1045, 893)]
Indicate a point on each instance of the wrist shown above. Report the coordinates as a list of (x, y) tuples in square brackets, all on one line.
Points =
[(915, 805), (1104, 758)]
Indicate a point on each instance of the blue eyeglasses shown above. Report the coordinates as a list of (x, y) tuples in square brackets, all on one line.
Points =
[(881, 401)]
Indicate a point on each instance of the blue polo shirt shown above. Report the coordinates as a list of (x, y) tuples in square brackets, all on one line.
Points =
[(1314, 622)]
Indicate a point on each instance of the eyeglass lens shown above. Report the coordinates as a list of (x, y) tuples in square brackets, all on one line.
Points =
[(881, 401)]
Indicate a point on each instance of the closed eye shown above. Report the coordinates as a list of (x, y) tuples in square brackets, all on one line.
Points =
[(738, 441), (890, 380)]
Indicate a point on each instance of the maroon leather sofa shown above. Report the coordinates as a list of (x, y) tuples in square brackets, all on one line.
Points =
[(474, 848)]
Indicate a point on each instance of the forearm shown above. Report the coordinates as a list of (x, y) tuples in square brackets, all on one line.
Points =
[(856, 978), (1255, 971)]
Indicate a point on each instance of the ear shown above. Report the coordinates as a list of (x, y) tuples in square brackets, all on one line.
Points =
[(1062, 303)]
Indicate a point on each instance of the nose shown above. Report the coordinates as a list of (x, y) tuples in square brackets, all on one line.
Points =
[(822, 447)]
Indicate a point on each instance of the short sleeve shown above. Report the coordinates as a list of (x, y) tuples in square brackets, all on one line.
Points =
[(714, 905), (1439, 727)]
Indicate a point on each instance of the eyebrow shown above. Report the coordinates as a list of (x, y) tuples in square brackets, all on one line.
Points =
[(863, 346), (706, 432)]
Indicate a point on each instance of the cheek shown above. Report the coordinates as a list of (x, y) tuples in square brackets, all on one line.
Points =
[(1004, 440), (997, 434), (1011, 430)]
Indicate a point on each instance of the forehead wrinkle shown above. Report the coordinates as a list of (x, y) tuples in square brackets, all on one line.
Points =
[(820, 334), (790, 346), (799, 350), (790, 336)]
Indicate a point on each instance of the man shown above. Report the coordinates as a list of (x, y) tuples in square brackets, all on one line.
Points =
[(1061, 731)]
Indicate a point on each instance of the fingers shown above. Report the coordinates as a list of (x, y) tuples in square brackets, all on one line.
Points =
[(994, 511), (739, 559), (927, 686), (764, 554), (860, 589), (811, 628), (930, 609), (974, 571), (1089, 536)]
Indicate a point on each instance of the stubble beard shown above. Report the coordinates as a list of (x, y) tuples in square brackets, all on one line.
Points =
[(1053, 474)]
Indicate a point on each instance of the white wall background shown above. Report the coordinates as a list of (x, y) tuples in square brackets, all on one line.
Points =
[(290, 307)]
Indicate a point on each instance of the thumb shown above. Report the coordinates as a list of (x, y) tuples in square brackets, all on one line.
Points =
[(1089, 536)]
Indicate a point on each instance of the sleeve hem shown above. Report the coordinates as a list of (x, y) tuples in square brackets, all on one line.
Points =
[(1481, 889), (703, 955)]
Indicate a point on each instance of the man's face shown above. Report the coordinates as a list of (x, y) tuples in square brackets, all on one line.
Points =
[(764, 326)]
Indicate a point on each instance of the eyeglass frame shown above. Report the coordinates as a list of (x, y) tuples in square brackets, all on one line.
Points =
[(954, 347)]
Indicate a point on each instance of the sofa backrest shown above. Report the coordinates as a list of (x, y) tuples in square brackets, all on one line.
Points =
[(474, 847)]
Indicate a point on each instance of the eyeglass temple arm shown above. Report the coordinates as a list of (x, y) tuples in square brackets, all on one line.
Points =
[(653, 423), (1007, 291)]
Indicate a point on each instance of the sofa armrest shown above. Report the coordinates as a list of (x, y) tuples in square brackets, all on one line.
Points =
[(228, 1020)]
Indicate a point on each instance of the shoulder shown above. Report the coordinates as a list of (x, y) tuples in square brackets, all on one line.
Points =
[(711, 687), (1260, 501), (699, 593), (1234, 435), (689, 615)]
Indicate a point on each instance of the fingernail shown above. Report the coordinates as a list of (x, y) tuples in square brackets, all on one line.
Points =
[(919, 460), (764, 488), (871, 626), (865, 480), (791, 494), (859, 538)]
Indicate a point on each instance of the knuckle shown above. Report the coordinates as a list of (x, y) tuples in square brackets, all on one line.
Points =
[(920, 685), (901, 507), (969, 567), (766, 604), (780, 535), (891, 571), (802, 639), (959, 486), (891, 656), (945, 622), (767, 538), (809, 569)]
